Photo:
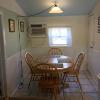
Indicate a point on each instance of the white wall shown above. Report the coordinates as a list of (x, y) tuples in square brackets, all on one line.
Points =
[(96, 50), (79, 26), (11, 43), (94, 53), (12, 5), (12, 73)]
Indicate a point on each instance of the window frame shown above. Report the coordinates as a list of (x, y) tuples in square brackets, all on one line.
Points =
[(58, 45)]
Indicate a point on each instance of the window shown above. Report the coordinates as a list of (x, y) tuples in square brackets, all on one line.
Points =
[(60, 36)]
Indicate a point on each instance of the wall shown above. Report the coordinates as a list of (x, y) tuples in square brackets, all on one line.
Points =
[(0, 57), (95, 59), (12, 5), (79, 26), (39, 46), (94, 53), (12, 49)]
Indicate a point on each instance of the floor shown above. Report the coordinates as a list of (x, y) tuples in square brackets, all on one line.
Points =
[(89, 87)]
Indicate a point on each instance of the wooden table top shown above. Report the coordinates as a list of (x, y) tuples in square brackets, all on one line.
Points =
[(63, 63)]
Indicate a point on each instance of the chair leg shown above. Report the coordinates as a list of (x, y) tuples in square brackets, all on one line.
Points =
[(63, 92), (64, 77), (30, 81), (64, 82), (78, 82), (80, 87), (58, 90), (55, 93), (51, 91)]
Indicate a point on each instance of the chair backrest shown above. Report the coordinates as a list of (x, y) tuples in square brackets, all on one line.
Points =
[(55, 51), (79, 61), (47, 71), (30, 61)]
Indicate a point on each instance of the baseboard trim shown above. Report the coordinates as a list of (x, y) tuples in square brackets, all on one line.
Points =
[(13, 93)]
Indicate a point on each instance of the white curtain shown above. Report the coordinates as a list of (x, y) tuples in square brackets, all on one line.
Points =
[(60, 36)]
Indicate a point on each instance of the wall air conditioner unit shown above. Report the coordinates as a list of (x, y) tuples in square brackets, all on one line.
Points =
[(38, 30)]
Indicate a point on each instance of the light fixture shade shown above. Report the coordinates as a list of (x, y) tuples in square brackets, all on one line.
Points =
[(55, 9)]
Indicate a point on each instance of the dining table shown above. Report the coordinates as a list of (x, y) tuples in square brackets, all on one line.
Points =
[(62, 62)]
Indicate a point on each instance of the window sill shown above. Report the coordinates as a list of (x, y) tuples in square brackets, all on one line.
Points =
[(60, 46)]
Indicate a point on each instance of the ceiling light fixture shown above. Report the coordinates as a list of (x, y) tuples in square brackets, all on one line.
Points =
[(55, 9)]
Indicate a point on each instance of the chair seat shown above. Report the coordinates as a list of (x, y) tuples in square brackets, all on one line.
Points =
[(71, 72), (49, 83), (70, 69)]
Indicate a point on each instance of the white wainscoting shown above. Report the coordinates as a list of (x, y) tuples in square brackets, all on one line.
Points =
[(13, 72), (95, 65)]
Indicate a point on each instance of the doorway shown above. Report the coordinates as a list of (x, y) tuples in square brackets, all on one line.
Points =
[(3, 93)]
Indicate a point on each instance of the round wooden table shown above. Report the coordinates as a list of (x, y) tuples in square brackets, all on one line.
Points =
[(63, 63)]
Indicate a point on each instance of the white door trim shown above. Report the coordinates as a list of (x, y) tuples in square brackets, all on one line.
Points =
[(3, 57)]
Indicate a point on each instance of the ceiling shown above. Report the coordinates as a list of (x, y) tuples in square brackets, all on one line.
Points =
[(70, 7)]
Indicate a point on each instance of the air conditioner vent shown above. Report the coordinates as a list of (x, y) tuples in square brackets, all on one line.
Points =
[(36, 25), (38, 30)]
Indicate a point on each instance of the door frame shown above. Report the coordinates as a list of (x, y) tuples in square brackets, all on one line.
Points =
[(3, 57)]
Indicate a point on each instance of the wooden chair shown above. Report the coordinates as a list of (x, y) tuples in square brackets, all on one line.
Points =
[(31, 63), (55, 51), (49, 78), (74, 71)]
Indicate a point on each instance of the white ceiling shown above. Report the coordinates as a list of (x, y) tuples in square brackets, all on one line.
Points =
[(70, 7), (12, 5)]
